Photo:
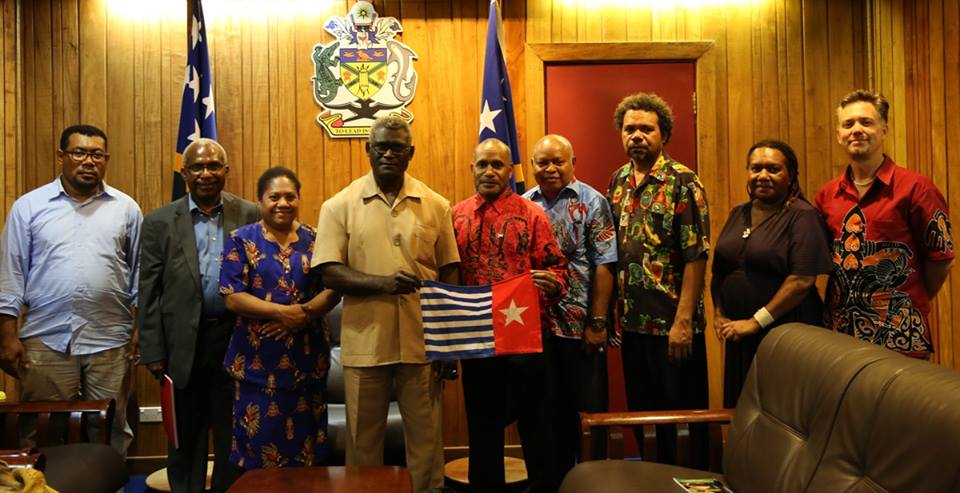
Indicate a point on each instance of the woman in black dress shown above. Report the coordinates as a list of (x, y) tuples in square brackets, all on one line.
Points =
[(766, 261)]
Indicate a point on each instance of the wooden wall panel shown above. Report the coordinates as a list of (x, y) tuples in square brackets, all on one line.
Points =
[(776, 69)]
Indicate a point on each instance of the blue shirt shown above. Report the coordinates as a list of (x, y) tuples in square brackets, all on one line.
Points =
[(208, 231), (583, 225), (74, 266)]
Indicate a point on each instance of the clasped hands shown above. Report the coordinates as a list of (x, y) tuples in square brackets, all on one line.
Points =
[(734, 330)]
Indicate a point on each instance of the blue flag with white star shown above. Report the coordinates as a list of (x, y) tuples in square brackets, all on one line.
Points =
[(496, 106), (197, 115)]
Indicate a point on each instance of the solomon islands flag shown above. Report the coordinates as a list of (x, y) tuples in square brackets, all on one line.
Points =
[(461, 322), (197, 113)]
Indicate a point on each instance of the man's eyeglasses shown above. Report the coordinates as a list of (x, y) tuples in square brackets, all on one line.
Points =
[(197, 168), (80, 155), (382, 149)]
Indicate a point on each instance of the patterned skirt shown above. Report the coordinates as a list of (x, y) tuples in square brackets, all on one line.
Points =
[(278, 427)]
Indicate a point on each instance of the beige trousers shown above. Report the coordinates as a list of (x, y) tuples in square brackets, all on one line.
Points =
[(368, 391), (60, 377)]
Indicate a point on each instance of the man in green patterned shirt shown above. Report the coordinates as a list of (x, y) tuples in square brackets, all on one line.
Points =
[(660, 212)]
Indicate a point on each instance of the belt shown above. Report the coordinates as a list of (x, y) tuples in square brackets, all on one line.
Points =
[(214, 320)]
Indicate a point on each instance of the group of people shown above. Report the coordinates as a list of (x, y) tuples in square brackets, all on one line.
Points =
[(230, 295)]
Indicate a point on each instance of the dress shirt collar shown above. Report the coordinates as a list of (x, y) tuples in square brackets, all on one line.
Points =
[(58, 191), (657, 172), (497, 204), (884, 175), (194, 208), (572, 189), (411, 188)]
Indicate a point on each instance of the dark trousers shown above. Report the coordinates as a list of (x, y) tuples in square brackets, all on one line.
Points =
[(654, 383), (498, 391), (204, 404), (579, 384)]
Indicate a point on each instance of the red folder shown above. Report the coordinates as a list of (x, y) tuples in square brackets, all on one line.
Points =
[(169, 411)]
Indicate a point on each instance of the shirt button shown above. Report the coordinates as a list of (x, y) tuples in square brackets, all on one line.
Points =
[(396, 240), (394, 213)]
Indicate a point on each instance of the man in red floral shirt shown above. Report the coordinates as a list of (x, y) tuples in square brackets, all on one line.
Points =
[(500, 235), (892, 245)]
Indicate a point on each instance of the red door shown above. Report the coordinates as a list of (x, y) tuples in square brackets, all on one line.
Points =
[(580, 101)]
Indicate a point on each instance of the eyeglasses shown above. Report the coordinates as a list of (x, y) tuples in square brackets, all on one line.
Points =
[(382, 149), (80, 155), (197, 168)]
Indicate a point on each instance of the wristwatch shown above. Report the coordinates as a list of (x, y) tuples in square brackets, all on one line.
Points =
[(598, 322)]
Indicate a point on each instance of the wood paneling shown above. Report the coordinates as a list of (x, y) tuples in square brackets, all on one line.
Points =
[(775, 68)]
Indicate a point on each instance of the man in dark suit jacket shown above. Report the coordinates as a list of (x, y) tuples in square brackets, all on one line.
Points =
[(184, 325)]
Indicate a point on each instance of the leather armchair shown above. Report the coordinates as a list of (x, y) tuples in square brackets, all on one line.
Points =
[(819, 412)]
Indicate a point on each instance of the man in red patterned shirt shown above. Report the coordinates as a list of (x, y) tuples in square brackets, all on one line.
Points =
[(500, 235), (892, 245)]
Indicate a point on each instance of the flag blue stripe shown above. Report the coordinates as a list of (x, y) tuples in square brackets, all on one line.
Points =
[(455, 342), (452, 306), (453, 288), (456, 318), (455, 330), (455, 355)]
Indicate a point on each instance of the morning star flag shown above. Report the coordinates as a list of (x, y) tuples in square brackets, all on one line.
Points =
[(461, 322), (496, 105), (197, 116)]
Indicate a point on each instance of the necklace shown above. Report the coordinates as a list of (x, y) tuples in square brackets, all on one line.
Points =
[(864, 182)]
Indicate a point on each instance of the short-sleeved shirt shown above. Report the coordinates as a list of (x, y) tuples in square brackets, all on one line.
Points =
[(361, 230), (662, 224), (503, 238), (583, 225), (253, 264), (880, 244), (748, 271)]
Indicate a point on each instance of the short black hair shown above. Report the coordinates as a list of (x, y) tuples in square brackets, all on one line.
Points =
[(646, 102), (275, 172), (82, 129), (873, 97)]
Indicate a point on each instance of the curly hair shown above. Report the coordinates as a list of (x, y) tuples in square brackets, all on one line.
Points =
[(646, 102)]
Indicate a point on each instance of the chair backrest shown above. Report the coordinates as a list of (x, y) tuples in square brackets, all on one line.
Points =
[(898, 429), (787, 409), (57, 422)]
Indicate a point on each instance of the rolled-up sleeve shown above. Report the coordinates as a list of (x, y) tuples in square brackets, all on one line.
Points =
[(14, 260)]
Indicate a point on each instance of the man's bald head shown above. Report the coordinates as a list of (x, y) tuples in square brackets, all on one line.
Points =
[(201, 143), (553, 163)]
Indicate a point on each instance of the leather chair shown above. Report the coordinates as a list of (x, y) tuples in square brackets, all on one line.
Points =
[(71, 461), (819, 412), (394, 452)]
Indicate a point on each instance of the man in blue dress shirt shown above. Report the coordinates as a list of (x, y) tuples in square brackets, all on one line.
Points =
[(184, 325), (583, 225), (68, 261)]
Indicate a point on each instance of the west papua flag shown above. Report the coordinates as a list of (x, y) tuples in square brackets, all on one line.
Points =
[(461, 322)]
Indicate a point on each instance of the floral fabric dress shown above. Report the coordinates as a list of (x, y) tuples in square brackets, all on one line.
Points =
[(279, 411)]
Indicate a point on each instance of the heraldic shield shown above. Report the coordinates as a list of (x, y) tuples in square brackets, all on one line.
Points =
[(363, 74), (363, 70)]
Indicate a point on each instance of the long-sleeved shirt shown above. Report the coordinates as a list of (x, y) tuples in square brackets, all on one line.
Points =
[(73, 265)]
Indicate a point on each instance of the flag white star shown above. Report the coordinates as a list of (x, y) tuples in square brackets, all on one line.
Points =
[(208, 103), (194, 82), (194, 32), (513, 313), (196, 132), (487, 116)]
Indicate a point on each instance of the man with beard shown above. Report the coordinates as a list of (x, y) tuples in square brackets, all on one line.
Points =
[(501, 235), (660, 211), (69, 256)]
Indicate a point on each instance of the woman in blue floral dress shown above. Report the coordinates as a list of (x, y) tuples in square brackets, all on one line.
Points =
[(279, 351)]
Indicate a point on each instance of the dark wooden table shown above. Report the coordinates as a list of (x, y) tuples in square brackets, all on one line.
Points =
[(365, 479)]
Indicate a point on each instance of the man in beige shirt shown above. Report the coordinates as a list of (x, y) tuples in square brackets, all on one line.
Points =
[(377, 239)]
